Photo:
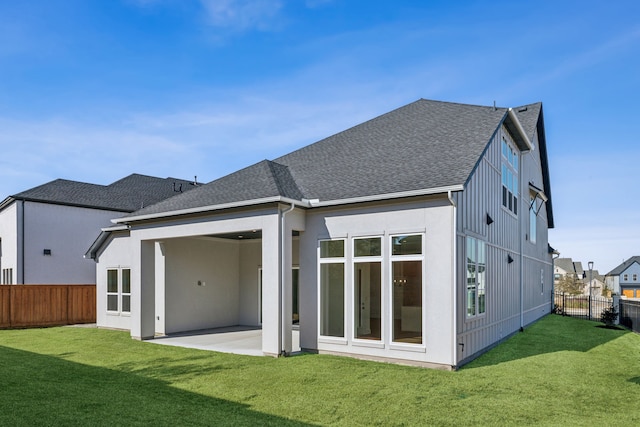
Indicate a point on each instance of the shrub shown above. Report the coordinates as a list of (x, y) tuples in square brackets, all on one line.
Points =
[(609, 315)]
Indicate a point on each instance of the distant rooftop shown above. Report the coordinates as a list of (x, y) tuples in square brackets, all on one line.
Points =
[(125, 195)]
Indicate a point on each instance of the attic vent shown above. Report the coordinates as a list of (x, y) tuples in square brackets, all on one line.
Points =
[(522, 110)]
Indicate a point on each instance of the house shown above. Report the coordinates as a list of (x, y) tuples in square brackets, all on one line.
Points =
[(418, 237), (563, 267), (590, 282), (45, 231), (625, 279), (594, 284)]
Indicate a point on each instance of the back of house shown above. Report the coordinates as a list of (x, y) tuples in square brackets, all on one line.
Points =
[(419, 237)]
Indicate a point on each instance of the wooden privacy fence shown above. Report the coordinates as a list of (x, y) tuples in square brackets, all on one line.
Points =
[(23, 306)]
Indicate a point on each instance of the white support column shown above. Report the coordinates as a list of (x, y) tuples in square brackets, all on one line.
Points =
[(160, 310), (271, 313), (287, 289), (142, 290)]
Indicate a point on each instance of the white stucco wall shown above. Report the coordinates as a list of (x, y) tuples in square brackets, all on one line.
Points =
[(117, 254), (68, 232), (433, 218), (9, 239), (201, 284)]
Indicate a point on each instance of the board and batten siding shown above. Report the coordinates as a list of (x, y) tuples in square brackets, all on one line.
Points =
[(506, 237)]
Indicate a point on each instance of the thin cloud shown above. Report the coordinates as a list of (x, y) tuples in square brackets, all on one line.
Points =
[(242, 15)]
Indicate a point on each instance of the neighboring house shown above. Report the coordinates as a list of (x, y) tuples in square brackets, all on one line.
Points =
[(563, 267), (594, 283), (45, 231), (625, 278), (591, 285), (419, 237)]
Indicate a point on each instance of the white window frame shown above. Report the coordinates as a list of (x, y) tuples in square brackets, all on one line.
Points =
[(119, 293), (509, 172), (398, 345), (333, 260), (476, 314), (363, 259)]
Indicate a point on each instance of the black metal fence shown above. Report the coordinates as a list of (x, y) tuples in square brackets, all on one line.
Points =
[(581, 306), (630, 314)]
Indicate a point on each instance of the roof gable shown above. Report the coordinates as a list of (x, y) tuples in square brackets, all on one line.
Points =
[(624, 266)]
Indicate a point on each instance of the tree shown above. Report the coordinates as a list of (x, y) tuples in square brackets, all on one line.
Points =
[(570, 284)]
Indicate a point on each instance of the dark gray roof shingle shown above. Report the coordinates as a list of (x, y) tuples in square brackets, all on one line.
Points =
[(125, 195), (423, 145)]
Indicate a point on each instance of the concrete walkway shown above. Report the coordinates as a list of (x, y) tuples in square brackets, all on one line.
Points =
[(234, 339)]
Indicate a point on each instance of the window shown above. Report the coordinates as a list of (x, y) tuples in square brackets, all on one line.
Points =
[(542, 281), (119, 290), (509, 177), (626, 277), (126, 290), (332, 288), (556, 276), (367, 288), (476, 277), (533, 219), (406, 270), (635, 277), (7, 276)]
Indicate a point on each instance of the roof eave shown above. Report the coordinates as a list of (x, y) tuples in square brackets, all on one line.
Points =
[(101, 239), (209, 208), (304, 203), (6, 202)]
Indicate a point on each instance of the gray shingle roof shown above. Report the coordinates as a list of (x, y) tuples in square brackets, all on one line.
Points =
[(565, 263), (622, 267), (423, 145), (125, 195)]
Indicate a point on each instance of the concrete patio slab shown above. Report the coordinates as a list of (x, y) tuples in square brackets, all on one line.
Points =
[(234, 339)]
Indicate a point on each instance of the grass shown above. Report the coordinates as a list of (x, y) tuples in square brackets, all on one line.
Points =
[(560, 371)]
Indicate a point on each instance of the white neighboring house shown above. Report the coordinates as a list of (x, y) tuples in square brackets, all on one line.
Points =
[(45, 231), (419, 237)]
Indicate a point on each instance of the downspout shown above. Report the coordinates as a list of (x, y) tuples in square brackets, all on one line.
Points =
[(521, 242), (283, 272), (22, 234), (454, 264)]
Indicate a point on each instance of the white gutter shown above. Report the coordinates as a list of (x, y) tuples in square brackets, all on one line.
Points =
[(378, 197), (283, 272), (243, 203), (305, 203), (116, 228), (518, 125)]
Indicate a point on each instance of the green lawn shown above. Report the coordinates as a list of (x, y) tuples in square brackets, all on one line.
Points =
[(560, 371)]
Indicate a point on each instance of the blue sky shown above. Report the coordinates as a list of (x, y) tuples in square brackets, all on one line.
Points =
[(95, 90)]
